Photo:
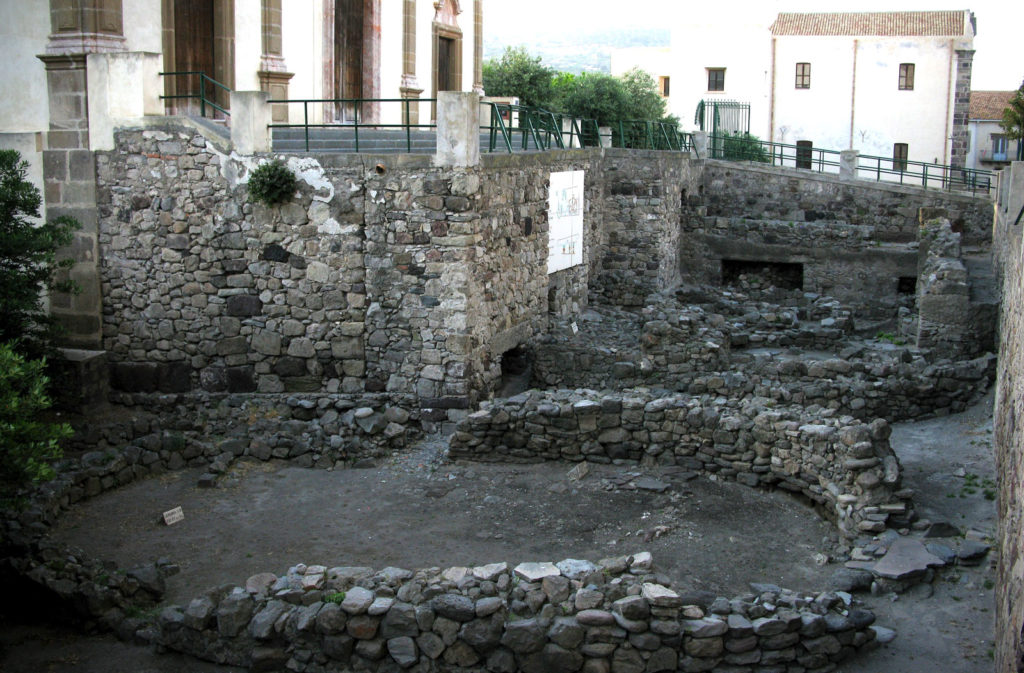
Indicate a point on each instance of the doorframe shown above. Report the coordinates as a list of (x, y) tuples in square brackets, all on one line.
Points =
[(453, 33)]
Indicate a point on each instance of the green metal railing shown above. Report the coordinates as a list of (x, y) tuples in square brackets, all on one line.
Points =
[(645, 134), (882, 169), (939, 176), (208, 89), (355, 106)]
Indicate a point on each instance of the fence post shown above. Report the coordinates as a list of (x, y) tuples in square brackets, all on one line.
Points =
[(848, 160), (605, 134), (121, 86), (458, 129), (250, 121), (700, 144)]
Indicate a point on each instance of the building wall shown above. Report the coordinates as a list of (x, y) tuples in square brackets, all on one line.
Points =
[(980, 152), (24, 28), (1009, 426), (882, 114)]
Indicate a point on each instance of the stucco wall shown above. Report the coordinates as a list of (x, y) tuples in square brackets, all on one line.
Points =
[(24, 27)]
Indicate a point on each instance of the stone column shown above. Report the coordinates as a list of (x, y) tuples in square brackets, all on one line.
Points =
[(273, 74), (458, 129), (848, 164), (250, 115), (410, 88), (79, 28), (478, 46), (961, 102)]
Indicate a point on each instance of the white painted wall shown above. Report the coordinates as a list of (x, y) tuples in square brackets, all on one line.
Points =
[(391, 58), (142, 25), (820, 114), (249, 42), (302, 46), (979, 154), (24, 27)]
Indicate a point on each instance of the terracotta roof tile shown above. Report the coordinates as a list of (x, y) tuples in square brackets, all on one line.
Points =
[(989, 104), (946, 23)]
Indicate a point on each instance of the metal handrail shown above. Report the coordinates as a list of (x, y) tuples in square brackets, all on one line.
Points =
[(949, 177), (355, 124), (203, 100)]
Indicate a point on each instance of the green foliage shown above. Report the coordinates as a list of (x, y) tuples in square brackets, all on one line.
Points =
[(645, 100), (335, 597), (27, 444), (517, 73), (595, 96), (272, 183), (28, 260), (743, 147), (1013, 116)]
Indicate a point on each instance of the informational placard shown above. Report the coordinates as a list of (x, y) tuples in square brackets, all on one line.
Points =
[(173, 516), (565, 219)]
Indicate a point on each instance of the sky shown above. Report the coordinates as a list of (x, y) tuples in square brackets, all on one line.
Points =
[(998, 61)]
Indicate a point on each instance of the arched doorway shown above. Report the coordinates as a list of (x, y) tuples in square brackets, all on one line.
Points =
[(198, 36)]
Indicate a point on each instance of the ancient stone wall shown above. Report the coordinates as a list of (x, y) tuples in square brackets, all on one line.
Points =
[(840, 260), (748, 191), (382, 275), (643, 196), (844, 465), (1009, 426)]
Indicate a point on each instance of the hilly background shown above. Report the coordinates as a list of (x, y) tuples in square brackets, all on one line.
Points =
[(572, 51)]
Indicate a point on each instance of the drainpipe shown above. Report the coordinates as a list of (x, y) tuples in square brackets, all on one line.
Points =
[(949, 93), (771, 100), (853, 91)]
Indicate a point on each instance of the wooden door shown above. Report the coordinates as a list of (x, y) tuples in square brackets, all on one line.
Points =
[(193, 47), (446, 64), (348, 56)]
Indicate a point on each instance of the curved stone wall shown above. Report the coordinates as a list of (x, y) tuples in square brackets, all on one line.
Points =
[(840, 463)]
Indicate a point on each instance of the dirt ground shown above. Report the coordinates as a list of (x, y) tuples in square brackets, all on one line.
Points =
[(417, 511)]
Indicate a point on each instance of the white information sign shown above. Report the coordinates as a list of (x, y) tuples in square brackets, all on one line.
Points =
[(173, 516), (565, 220)]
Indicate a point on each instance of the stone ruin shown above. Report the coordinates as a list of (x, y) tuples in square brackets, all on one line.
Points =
[(392, 302)]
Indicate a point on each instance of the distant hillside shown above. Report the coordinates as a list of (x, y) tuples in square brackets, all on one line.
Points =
[(577, 52)]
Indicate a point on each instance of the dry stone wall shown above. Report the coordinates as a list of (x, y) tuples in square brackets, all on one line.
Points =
[(1009, 429), (744, 190), (842, 464)]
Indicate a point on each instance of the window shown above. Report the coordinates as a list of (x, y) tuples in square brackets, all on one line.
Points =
[(906, 76), (663, 86), (716, 79), (998, 147), (803, 75), (899, 157), (804, 153)]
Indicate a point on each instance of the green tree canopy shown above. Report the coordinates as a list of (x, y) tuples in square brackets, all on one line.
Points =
[(517, 73), (1013, 116), (28, 259)]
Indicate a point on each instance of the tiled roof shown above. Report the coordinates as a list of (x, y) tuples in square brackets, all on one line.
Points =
[(989, 104), (947, 23)]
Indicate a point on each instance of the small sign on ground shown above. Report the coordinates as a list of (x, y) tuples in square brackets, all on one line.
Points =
[(173, 516), (575, 329)]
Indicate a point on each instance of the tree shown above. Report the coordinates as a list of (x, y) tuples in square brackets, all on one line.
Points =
[(28, 259), (27, 444), (517, 73), (595, 96), (646, 101), (1013, 118)]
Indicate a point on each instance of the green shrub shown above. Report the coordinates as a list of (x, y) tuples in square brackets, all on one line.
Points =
[(743, 147), (272, 183), (28, 260), (336, 597), (27, 444)]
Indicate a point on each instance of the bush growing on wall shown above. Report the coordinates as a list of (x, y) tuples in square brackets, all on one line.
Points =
[(28, 259), (272, 183)]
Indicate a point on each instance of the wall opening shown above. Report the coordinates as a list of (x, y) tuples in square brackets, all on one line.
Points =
[(516, 371), (783, 275), (906, 285)]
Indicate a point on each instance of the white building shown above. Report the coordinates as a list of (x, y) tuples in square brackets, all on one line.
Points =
[(885, 83), (890, 84), (989, 146)]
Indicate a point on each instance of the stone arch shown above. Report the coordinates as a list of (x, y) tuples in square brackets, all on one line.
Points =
[(198, 35), (351, 58)]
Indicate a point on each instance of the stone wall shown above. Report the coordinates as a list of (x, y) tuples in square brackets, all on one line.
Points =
[(743, 190), (643, 196), (384, 274), (1009, 429), (845, 466), (840, 260)]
